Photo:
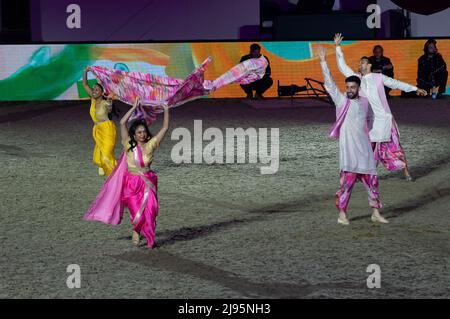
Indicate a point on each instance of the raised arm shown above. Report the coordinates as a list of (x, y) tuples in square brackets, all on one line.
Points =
[(342, 65), (165, 127), (398, 85), (124, 120), (330, 85), (85, 83), (109, 99)]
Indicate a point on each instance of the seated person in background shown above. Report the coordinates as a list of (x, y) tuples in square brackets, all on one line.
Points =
[(261, 85), (381, 64), (432, 70)]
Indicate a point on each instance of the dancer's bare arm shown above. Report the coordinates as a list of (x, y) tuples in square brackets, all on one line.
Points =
[(330, 85), (109, 99), (342, 65), (399, 85), (124, 120), (162, 132), (85, 84)]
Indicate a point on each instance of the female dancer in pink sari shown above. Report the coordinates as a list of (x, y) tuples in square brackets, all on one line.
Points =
[(132, 184)]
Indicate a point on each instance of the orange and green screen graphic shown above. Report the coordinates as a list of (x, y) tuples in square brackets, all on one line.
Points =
[(54, 72)]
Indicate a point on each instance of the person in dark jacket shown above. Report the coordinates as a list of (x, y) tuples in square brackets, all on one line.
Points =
[(432, 69), (381, 64), (261, 85)]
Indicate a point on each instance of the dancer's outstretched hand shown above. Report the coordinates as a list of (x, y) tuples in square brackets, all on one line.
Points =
[(338, 38), (322, 52), (421, 92)]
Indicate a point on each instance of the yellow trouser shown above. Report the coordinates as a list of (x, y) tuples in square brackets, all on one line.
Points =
[(104, 135)]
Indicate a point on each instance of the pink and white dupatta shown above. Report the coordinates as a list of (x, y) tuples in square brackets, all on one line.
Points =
[(341, 112)]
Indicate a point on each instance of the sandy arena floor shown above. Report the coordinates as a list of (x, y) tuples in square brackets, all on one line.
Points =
[(224, 230)]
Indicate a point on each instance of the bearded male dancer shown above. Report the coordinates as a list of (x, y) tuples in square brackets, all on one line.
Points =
[(384, 131), (356, 160)]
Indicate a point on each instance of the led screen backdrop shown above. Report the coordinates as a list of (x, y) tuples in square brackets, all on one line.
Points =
[(48, 72)]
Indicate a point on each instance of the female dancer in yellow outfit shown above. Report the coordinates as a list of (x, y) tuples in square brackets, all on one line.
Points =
[(104, 130)]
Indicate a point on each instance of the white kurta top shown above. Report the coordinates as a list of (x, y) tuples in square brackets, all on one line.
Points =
[(355, 152), (382, 124)]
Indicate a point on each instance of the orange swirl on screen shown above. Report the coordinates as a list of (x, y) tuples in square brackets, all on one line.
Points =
[(132, 54)]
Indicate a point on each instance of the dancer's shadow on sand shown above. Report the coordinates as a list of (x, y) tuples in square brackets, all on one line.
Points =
[(420, 201), (411, 205), (249, 288), (419, 171), (171, 237)]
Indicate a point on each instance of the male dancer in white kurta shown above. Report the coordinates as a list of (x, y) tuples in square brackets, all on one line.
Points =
[(356, 160), (384, 131)]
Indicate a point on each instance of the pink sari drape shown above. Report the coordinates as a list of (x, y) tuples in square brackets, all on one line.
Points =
[(108, 206), (136, 192)]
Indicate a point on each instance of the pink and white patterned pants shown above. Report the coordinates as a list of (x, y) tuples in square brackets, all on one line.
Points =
[(348, 180), (391, 154)]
